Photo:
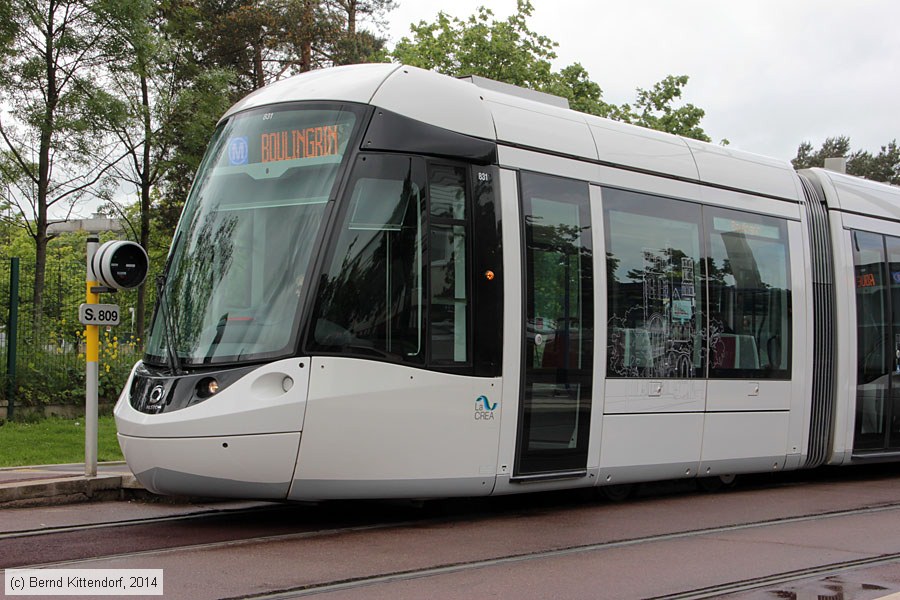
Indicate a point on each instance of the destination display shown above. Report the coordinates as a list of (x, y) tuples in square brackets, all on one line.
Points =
[(300, 143), (286, 136), (866, 280)]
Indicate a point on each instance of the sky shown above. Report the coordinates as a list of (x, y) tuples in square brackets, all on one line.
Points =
[(770, 74)]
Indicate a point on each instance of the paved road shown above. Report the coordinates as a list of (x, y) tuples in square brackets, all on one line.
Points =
[(819, 538)]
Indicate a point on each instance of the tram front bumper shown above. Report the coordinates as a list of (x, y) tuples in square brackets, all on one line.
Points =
[(238, 466), (240, 443)]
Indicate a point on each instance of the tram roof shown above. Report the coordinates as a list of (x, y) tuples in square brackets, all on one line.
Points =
[(491, 114), (858, 195)]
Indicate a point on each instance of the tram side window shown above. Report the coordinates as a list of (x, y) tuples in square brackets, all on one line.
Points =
[(449, 280), (653, 260), (371, 297), (874, 355), (749, 295)]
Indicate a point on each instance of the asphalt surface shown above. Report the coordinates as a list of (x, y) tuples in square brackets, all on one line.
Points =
[(823, 537)]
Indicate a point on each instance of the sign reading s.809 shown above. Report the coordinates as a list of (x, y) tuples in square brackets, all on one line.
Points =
[(98, 314)]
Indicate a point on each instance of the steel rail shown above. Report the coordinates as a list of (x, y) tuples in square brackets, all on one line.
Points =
[(451, 568), (197, 515)]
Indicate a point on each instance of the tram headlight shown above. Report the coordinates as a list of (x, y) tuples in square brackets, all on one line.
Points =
[(207, 387)]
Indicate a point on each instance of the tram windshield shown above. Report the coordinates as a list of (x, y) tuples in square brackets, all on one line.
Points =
[(239, 261)]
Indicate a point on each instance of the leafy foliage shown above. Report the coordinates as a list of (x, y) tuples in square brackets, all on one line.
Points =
[(653, 109), (509, 51), (97, 92), (224, 49), (884, 166), (53, 152), (50, 365), (506, 50)]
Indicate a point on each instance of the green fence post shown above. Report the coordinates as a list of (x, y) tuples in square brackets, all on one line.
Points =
[(12, 331)]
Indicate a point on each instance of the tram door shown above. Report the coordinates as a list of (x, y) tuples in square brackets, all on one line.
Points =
[(877, 265), (554, 413)]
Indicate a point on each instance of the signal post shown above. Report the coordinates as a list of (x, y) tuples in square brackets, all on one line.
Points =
[(92, 368), (111, 267)]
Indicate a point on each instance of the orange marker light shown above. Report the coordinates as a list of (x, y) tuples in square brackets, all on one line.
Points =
[(489, 275)]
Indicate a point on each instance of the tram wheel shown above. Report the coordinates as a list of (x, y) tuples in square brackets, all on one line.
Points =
[(616, 493), (717, 483)]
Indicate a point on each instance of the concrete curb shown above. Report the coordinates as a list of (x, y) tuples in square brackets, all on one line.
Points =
[(50, 485), (47, 485), (63, 490), (64, 466)]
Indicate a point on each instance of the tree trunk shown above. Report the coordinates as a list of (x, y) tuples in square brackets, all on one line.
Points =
[(40, 226), (146, 184), (351, 17), (40, 269), (307, 27), (351, 28), (258, 65)]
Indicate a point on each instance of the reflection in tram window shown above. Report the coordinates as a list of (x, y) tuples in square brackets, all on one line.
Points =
[(371, 296), (559, 324), (449, 279), (655, 286), (248, 234), (749, 296), (873, 357), (893, 264)]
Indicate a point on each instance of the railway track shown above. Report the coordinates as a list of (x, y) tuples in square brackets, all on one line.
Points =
[(191, 516), (709, 592), (245, 520), (453, 539), (76, 544)]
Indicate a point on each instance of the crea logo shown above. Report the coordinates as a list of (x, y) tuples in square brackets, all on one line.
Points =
[(485, 403), (484, 410)]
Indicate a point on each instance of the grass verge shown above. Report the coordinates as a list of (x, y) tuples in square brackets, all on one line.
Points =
[(54, 441)]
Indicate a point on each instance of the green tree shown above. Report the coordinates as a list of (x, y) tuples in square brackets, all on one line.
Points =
[(49, 132), (8, 29), (584, 95), (261, 41), (144, 88), (884, 166), (227, 48), (833, 147), (194, 114), (506, 50), (654, 109), (201, 88), (354, 45), (509, 51)]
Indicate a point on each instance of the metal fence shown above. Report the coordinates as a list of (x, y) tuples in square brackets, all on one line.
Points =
[(49, 348)]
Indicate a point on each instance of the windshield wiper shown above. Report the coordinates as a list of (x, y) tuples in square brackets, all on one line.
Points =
[(220, 331), (168, 326)]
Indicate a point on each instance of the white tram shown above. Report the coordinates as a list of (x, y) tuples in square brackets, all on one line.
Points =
[(391, 283)]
